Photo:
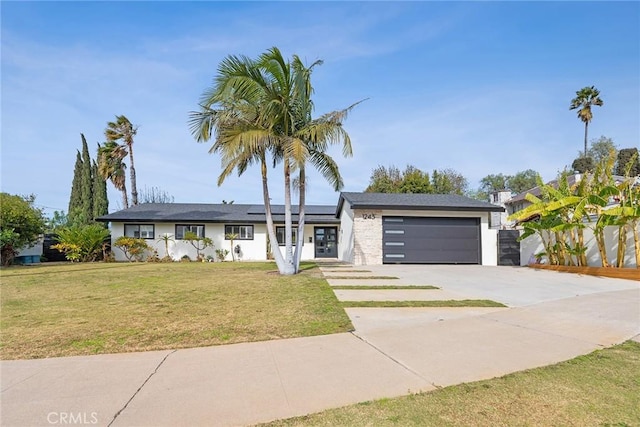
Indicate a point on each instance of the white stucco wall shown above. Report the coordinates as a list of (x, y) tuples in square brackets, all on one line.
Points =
[(250, 250), (533, 245), (345, 234), (365, 246), (308, 248)]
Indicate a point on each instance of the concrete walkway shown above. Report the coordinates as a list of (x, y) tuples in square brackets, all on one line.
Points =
[(553, 317)]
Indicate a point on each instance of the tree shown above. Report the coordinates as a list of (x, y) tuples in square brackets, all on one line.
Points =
[(385, 180), (583, 165), (448, 181), (58, 220), (523, 181), (88, 199), (415, 181), (111, 167), (155, 195), (601, 148), (86, 184), (75, 199), (166, 238), (492, 183), (121, 130), (628, 162), (21, 224), (260, 108), (200, 243), (100, 198), (584, 100)]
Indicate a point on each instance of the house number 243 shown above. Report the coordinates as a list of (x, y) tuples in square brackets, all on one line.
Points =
[(368, 216)]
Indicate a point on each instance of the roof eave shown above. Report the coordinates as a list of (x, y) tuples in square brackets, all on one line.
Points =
[(430, 208)]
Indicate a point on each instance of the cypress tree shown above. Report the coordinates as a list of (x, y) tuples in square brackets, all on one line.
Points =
[(86, 183), (100, 199), (75, 200)]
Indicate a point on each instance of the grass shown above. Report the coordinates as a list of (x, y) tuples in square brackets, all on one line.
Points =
[(78, 309), (362, 277), (447, 303), (382, 287), (599, 389), (347, 271)]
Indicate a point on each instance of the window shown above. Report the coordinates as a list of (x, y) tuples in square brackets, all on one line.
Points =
[(243, 232), (280, 235), (139, 231), (182, 229)]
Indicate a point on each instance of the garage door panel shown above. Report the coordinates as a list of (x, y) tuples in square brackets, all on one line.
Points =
[(431, 240), (419, 244)]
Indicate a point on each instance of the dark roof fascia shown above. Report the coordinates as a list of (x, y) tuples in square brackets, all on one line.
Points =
[(329, 220), (429, 208)]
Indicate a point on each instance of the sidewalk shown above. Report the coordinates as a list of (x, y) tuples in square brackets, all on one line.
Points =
[(243, 384)]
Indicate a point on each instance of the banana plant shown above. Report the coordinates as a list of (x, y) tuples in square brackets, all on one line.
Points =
[(627, 217)]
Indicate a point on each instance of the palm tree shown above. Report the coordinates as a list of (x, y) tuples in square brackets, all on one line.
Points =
[(585, 98), (263, 107), (123, 130), (111, 167)]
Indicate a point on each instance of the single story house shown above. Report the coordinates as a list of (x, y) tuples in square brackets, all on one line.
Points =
[(364, 228)]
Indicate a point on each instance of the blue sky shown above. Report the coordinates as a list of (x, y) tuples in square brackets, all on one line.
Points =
[(479, 87)]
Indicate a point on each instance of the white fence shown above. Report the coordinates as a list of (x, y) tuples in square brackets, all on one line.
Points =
[(533, 245)]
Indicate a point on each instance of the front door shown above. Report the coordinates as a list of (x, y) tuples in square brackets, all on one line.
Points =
[(326, 242)]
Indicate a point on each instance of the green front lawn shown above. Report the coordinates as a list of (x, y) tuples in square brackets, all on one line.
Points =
[(75, 309), (599, 389)]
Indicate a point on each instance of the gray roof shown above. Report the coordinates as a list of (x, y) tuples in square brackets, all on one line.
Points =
[(427, 202), (221, 213)]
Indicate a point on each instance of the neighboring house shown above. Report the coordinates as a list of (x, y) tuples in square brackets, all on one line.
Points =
[(151, 221), (499, 220), (377, 228), (365, 228)]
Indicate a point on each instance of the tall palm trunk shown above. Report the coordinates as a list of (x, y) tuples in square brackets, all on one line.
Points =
[(125, 199), (277, 255), (289, 268), (132, 174), (301, 219), (586, 125)]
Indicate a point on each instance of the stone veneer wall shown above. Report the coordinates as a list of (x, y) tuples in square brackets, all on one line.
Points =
[(367, 230)]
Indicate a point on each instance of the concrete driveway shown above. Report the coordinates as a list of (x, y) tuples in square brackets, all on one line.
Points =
[(511, 286), (551, 317)]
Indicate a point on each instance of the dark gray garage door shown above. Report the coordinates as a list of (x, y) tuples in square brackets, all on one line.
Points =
[(431, 240)]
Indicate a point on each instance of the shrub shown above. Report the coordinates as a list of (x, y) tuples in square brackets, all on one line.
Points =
[(134, 249), (222, 254), (185, 258), (21, 224), (83, 243), (153, 257)]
